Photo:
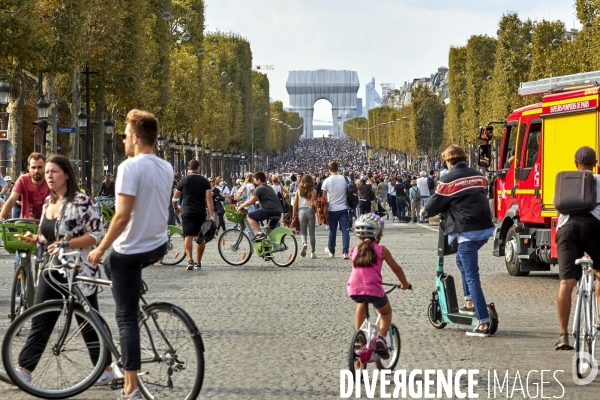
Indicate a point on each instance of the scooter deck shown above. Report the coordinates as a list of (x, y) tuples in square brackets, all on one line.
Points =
[(463, 319)]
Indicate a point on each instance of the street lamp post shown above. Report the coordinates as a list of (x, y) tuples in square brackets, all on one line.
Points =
[(172, 151), (39, 145), (4, 100), (109, 130), (82, 120), (160, 143)]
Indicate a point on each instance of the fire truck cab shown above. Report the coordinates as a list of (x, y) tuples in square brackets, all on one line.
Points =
[(539, 141)]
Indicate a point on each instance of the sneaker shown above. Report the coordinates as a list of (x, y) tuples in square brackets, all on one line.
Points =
[(303, 253), (313, 255), (197, 266), (563, 342), (258, 237), (328, 253), (467, 310), (105, 379), (381, 348), (346, 256), (136, 395), (268, 258), (190, 266), (25, 377), (478, 332), (410, 222)]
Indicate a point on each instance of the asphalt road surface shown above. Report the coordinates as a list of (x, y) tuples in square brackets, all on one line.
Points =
[(284, 333)]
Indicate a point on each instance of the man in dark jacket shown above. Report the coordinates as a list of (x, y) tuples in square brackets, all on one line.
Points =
[(461, 197)]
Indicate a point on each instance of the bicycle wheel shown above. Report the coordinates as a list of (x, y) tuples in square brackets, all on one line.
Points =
[(582, 338), (234, 247), (288, 250), (172, 354), (18, 294), (175, 250), (355, 365), (394, 347), (60, 373)]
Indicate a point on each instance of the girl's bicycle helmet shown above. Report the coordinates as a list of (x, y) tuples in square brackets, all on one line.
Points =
[(368, 225)]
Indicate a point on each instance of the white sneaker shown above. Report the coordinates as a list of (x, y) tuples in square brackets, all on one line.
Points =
[(328, 254), (303, 253), (105, 379), (346, 256), (24, 376), (313, 255)]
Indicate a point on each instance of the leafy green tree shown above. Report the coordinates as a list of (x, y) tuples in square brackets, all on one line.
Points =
[(457, 87), (428, 120)]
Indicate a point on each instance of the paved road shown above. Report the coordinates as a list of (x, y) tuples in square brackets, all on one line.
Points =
[(284, 333)]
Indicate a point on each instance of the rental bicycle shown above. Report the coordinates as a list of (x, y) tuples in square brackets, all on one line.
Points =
[(175, 250), (106, 206), (362, 347), (24, 281), (585, 317), (172, 353), (235, 245)]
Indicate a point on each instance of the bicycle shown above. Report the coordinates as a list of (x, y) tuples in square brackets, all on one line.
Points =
[(24, 282), (106, 206), (172, 352), (362, 347), (280, 246), (175, 249), (585, 317)]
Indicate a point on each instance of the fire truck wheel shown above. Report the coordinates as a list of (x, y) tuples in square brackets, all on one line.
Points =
[(511, 259)]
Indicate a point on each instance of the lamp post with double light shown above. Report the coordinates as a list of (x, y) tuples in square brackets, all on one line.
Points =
[(39, 137), (171, 146), (4, 100), (160, 144)]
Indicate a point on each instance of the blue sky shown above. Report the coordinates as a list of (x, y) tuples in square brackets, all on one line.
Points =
[(394, 41)]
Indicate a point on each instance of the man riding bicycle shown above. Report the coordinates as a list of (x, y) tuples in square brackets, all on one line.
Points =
[(270, 205)]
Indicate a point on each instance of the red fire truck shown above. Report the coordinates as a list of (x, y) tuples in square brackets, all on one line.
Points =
[(538, 141)]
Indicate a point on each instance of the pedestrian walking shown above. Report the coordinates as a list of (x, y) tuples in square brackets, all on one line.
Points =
[(197, 195), (415, 202), (401, 195), (334, 192), (304, 207), (217, 200), (138, 234), (364, 195), (424, 189)]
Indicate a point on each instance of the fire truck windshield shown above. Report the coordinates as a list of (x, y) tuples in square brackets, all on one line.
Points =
[(510, 143)]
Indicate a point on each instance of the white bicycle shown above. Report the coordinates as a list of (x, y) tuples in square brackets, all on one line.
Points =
[(585, 317)]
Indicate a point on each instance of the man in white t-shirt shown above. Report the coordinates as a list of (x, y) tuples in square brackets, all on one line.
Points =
[(424, 190), (138, 233), (334, 192)]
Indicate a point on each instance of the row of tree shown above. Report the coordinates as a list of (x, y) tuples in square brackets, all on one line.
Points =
[(141, 54), (483, 81)]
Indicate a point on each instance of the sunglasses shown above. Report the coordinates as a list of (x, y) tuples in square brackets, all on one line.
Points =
[(211, 181)]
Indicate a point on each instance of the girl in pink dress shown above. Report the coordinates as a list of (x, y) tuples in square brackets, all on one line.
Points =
[(365, 283)]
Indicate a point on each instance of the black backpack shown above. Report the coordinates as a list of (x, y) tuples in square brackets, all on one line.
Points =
[(575, 192), (430, 182), (351, 194)]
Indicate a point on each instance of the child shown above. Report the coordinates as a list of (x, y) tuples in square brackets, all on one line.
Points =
[(365, 283)]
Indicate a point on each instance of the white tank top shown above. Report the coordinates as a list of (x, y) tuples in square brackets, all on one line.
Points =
[(302, 202)]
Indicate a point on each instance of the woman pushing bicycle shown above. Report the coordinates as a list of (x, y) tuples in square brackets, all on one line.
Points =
[(366, 283), (67, 214)]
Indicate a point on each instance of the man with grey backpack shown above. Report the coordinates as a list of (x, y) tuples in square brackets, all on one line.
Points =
[(577, 232)]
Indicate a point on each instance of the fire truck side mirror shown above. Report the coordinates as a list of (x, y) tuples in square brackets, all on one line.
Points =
[(485, 155), (486, 132)]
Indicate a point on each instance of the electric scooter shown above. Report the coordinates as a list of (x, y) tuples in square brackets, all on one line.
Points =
[(443, 308)]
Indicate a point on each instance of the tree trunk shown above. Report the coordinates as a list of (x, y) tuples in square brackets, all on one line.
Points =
[(15, 122), (98, 143), (51, 135), (75, 106)]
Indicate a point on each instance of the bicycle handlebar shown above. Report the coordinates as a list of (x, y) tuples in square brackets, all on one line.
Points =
[(395, 286)]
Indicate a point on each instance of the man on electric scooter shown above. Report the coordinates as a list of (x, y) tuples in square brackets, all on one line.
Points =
[(461, 197)]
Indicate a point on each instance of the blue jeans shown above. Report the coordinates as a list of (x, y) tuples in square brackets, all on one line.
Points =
[(401, 208), (334, 218), (466, 260)]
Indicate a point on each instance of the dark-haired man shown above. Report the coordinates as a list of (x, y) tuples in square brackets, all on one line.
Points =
[(575, 234), (197, 195), (334, 192), (270, 205)]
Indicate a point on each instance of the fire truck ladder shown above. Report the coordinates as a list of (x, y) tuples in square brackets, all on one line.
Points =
[(566, 82)]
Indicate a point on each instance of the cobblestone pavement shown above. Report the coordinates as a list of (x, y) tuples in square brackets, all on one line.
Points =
[(284, 333)]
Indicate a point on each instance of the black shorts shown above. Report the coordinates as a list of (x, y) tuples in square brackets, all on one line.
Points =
[(192, 223), (580, 233), (377, 302)]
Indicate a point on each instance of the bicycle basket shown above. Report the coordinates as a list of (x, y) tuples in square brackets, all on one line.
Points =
[(11, 243), (232, 214)]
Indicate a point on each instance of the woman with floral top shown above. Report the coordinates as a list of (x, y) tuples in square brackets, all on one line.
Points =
[(68, 215)]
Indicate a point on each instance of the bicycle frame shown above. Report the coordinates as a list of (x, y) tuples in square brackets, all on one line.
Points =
[(372, 330), (586, 286), (264, 247)]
